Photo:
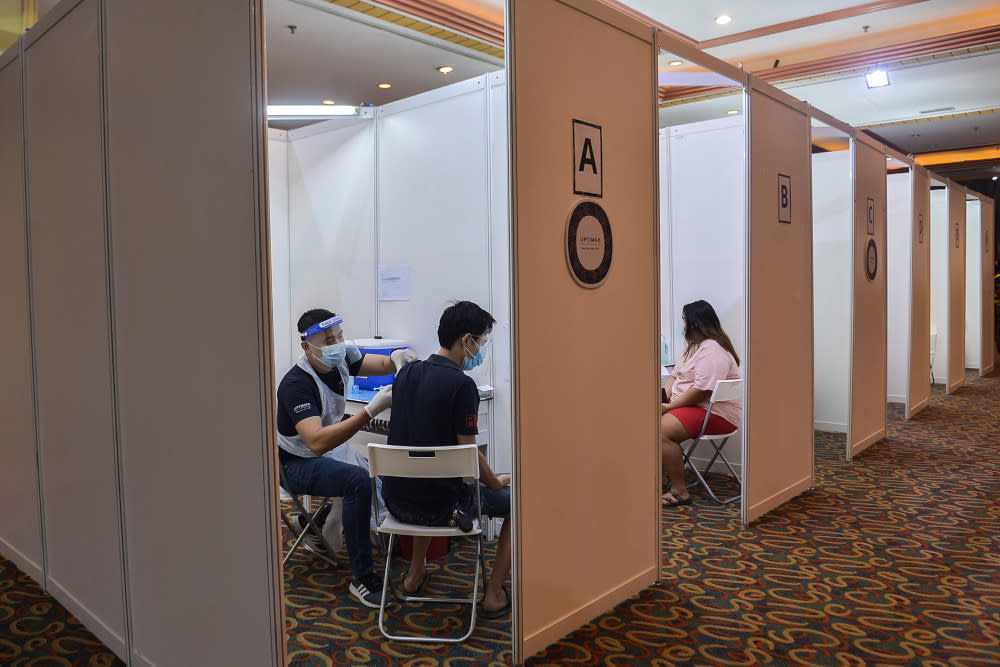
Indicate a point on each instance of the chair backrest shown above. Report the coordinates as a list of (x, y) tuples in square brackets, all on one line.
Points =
[(727, 390), (423, 462)]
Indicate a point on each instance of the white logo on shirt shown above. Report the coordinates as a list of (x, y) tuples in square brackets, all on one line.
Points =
[(302, 408)]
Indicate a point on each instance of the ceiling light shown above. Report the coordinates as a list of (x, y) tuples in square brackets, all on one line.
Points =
[(385, 86), (329, 102), (310, 110), (733, 111), (723, 19), (446, 69), (877, 78), (676, 63), (996, 177)]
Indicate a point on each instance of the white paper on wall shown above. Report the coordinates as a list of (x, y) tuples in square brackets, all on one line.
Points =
[(394, 283)]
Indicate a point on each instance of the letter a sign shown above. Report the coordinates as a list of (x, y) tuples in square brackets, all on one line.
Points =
[(588, 159)]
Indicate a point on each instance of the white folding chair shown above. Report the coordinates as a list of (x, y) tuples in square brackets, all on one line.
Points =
[(725, 390), (311, 524), (427, 462)]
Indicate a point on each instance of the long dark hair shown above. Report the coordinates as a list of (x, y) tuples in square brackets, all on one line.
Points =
[(701, 324)]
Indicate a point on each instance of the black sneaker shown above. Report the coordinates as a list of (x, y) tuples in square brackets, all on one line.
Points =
[(368, 590), (311, 541)]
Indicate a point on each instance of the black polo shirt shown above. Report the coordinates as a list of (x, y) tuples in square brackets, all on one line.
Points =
[(298, 395), (433, 402)]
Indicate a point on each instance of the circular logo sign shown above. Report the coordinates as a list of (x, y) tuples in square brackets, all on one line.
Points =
[(588, 244), (871, 260)]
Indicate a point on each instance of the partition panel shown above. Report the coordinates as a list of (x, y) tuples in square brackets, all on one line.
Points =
[(919, 392), (72, 330), (286, 344), (956, 285), (973, 285), (899, 228), (989, 321), (21, 523), (869, 412), (188, 211), (586, 449), (778, 414), (940, 287)]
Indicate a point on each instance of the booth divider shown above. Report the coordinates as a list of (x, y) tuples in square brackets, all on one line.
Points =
[(956, 277), (869, 414), (989, 322), (578, 553), (285, 343), (899, 267), (919, 390), (778, 412), (973, 283), (21, 522), (940, 280), (72, 330)]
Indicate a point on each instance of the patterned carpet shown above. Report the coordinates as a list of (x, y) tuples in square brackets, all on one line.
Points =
[(893, 559)]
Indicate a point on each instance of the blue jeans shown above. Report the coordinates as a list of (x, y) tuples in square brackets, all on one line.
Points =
[(495, 504), (324, 477)]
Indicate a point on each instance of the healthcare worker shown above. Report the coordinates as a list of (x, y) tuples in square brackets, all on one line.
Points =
[(311, 425)]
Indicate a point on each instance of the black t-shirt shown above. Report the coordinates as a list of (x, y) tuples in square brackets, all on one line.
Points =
[(433, 402), (298, 395)]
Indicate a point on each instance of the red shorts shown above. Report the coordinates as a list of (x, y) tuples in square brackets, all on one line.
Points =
[(692, 417)]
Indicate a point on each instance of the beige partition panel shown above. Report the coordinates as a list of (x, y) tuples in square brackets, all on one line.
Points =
[(72, 330), (189, 233), (586, 458), (778, 447), (956, 299), (989, 321), (869, 409), (919, 394), (20, 518)]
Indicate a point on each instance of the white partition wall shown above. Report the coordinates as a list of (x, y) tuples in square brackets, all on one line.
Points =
[(940, 283), (706, 232), (21, 525), (989, 322), (833, 221), (285, 342), (919, 389), (899, 264), (71, 326), (187, 206), (869, 414), (956, 283), (974, 284)]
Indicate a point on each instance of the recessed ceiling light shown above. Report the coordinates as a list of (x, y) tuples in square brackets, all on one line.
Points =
[(733, 111), (329, 102), (877, 78), (446, 69), (676, 63), (723, 19), (385, 86)]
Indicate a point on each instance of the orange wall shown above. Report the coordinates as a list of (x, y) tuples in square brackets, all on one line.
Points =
[(586, 359), (989, 345), (868, 339), (920, 313), (956, 303)]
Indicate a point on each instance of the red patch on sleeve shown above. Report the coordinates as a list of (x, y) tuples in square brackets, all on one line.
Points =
[(471, 421)]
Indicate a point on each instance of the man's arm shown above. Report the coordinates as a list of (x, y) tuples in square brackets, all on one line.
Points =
[(322, 439), (486, 474), (376, 364)]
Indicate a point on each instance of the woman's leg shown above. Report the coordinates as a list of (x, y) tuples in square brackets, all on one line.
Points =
[(672, 433)]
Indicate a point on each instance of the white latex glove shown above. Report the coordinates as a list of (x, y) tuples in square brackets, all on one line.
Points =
[(402, 357), (380, 402)]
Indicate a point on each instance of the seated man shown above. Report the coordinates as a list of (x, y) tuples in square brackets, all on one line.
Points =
[(311, 424), (437, 404)]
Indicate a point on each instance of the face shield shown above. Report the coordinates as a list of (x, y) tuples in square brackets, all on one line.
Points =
[(327, 345)]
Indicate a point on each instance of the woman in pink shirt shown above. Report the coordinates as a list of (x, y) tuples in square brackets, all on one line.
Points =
[(708, 358)]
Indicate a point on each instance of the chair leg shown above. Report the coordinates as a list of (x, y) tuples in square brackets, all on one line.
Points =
[(699, 473)]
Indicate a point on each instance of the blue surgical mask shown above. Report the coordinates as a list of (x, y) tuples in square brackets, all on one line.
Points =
[(472, 362), (332, 355), (684, 331)]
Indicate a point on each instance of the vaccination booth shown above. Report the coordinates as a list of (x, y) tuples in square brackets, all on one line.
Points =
[(979, 317), (742, 252), (849, 252), (948, 277), (909, 322)]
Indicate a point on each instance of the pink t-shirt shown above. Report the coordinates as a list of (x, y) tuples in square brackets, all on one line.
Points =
[(708, 363)]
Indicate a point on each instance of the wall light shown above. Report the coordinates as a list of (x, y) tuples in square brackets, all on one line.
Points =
[(877, 78), (329, 102), (446, 69), (385, 86), (676, 63), (733, 112), (295, 111), (723, 19)]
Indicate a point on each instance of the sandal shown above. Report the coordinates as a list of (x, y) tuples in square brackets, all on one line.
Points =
[(420, 588), (676, 502), (501, 611)]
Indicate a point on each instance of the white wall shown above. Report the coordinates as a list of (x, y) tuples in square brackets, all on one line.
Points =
[(940, 286), (832, 266), (899, 212), (331, 225), (705, 222), (974, 285), (277, 175), (667, 314)]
